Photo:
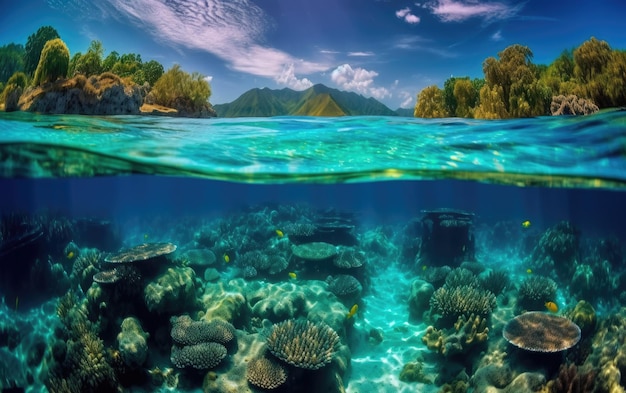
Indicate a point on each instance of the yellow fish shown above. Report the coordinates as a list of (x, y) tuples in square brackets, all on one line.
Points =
[(226, 258), (526, 224), (70, 255), (293, 275), (424, 267), (353, 311), (529, 271), (552, 307), (279, 233)]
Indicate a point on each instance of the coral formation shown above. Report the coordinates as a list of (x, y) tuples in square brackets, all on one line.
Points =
[(495, 281), (186, 331), (467, 333), (534, 292), (421, 292), (344, 286), (172, 291), (571, 379), (199, 356), (461, 277), (540, 332), (132, 342), (557, 250), (141, 252), (315, 251), (584, 315), (302, 343), (349, 258), (463, 300), (266, 373), (414, 372)]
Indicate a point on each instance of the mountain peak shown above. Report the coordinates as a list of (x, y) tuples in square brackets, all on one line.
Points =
[(317, 100)]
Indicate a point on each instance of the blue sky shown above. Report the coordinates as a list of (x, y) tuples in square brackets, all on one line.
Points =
[(388, 50)]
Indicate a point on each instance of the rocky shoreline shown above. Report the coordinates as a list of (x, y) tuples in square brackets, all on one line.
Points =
[(106, 94)]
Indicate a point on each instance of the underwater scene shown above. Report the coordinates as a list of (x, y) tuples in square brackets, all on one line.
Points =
[(363, 254)]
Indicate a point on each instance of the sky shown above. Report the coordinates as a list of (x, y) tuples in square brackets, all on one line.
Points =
[(388, 50)]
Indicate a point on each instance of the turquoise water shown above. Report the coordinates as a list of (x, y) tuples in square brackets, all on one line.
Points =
[(549, 151), (393, 200)]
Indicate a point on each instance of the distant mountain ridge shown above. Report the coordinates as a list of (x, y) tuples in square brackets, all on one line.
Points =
[(317, 100)]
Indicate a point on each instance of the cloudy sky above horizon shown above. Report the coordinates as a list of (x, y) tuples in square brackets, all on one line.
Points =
[(388, 50)]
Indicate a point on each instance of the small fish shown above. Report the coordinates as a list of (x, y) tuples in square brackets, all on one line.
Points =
[(552, 306), (226, 258), (529, 271), (279, 233), (293, 275), (70, 255), (353, 311), (526, 224), (424, 267), (145, 236)]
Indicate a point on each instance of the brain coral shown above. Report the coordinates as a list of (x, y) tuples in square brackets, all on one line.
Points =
[(199, 356), (302, 343), (186, 331), (266, 373), (463, 300)]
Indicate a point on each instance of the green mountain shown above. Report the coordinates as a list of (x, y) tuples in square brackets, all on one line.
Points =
[(318, 100)]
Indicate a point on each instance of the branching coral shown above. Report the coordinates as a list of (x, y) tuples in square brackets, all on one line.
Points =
[(572, 379), (534, 292), (266, 373), (467, 333), (302, 343), (459, 277), (463, 300), (495, 281)]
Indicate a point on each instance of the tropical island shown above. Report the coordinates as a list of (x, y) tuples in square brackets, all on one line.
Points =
[(42, 77)]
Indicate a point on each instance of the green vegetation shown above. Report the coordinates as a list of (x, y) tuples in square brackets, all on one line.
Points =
[(34, 47), (515, 87), (178, 87), (54, 62), (11, 61)]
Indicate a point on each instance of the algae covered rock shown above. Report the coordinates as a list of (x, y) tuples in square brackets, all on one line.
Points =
[(419, 299)]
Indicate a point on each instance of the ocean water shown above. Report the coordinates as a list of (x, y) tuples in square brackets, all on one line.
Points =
[(541, 201)]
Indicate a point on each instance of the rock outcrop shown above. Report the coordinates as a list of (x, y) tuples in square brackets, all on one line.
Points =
[(106, 94)]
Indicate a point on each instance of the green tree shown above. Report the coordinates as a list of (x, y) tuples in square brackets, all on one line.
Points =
[(590, 59), (127, 65), (71, 69), (448, 96), (91, 62), (34, 47), (152, 71), (19, 79), (464, 97), (614, 77), (54, 62), (430, 103), (177, 86), (11, 60), (109, 61), (491, 103)]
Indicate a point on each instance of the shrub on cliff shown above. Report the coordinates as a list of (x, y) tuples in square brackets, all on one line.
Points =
[(176, 86), (54, 62), (34, 47)]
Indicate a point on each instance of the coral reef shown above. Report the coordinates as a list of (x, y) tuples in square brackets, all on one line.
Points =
[(571, 379), (461, 277), (421, 292), (315, 251), (463, 300), (540, 332), (584, 315), (344, 286), (496, 281), (172, 291), (302, 343), (467, 333), (534, 292), (186, 331), (132, 342), (414, 372), (199, 356), (558, 250), (266, 373)]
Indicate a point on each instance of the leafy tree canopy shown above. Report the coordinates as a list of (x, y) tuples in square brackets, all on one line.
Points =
[(11, 60), (54, 62), (34, 47)]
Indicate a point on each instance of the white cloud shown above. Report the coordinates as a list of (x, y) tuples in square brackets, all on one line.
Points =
[(360, 54), (288, 78), (405, 13), (208, 78), (231, 30), (358, 80), (407, 99), (497, 36), (418, 43), (460, 10)]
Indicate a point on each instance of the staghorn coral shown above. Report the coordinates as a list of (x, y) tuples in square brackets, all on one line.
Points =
[(266, 373), (534, 292), (467, 333), (186, 331), (459, 277), (495, 281), (463, 300), (571, 105), (199, 356), (302, 343), (571, 379)]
